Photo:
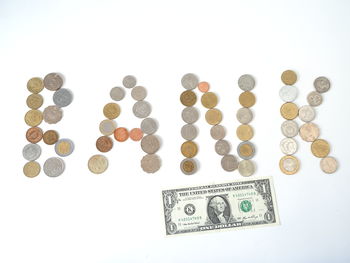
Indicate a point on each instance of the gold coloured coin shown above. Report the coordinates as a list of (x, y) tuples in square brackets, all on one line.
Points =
[(213, 116), (289, 164), (245, 132), (111, 110), (289, 77), (247, 99), (289, 111), (209, 100), (98, 164), (320, 148), (246, 150), (35, 85), (188, 98), (33, 117), (35, 101), (31, 169), (189, 149)]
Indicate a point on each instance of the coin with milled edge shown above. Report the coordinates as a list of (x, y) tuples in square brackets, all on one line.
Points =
[(189, 132), (150, 144), (34, 134), (289, 128), (189, 149), (33, 118), (307, 113), (320, 148), (189, 81), (209, 100), (314, 98), (64, 147), (247, 99), (104, 144), (246, 168), (289, 111), (289, 77), (98, 164), (150, 163), (244, 115), (62, 97), (149, 126), (129, 82), (111, 110), (309, 132), (229, 163), (289, 164), (190, 115), (52, 114), (213, 116), (139, 93), (35, 101), (142, 109), (203, 86), (222, 147), (50, 137), (329, 165), (322, 84), (188, 98), (246, 150), (35, 85), (246, 82), (218, 132), (31, 169), (54, 167), (117, 93), (107, 127), (188, 166), (53, 81), (245, 132), (31, 152), (288, 93), (288, 146)]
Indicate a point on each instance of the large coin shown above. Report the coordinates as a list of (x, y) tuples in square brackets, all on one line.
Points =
[(329, 164), (150, 144), (213, 116), (31, 169), (222, 147), (107, 127), (289, 164), (288, 93), (188, 166), (98, 164), (229, 163), (117, 93), (309, 132), (53, 81), (320, 148), (246, 168), (288, 146), (289, 128), (35, 101), (189, 81), (322, 84), (307, 113), (129, 81), (150, 163), (62, 97), (34, 134), (50, 137), (246, 82), (189, 132), (31, 152), (189, 149), (111, 110), (139, 93), (52, 114), (142, 109), (209, 100), (33, 118), (246, 150), (54, 167), (217, 132), (190, 115), (244, 115), (247, 99), (188, 98), (104, 144), (289, 77), (289, 111), (314, 98), (149, 126), (245, 132), (35, 85), (64, 147)]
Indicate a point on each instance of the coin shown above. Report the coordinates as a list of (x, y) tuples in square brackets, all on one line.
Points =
[(314, 98), (289, 77), (150, 163), (222, 147), (189, 149), (136, 134), (307, 113), (329, 164), (33, 117), (188, 166), (111, 110), (31, 169), (289, 111), (35, 101), (64, 147), (62, 97), (203, 86), (288, 93), (246, 150), (245, 132), (190, 115), (322, 84), (52, 114), (309, 132), (289, 164), (98, 164), (121, 134), (129, 82), (34, 134), (188, 98), (53, 81), (217, 132), (289, 128), (54, 167), (288, 146), (189, 81), (244, 115), (247, 99), (139, 93), (31, 152), (142, 109), (189, 132), (117, 93), (149, 126), (246, 82), (320, 148), (150, 144), (107, 127), (50, 137), (209, 100), (35, 85), (213, 116), (246, 168), (104, 144), (229, 163)]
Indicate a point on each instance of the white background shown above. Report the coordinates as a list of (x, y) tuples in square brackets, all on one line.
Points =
[(117, 216)]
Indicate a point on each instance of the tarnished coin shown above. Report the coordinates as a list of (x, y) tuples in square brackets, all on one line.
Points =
[(320, 148), (322, 84), (189, 81), (218, 132), (111, 110), (35, 85), (35, 101), (190, 115), (62, 97), (189, 149), (246, 82), (64, 147), (139, 93), (288, 93), (121, 134), (229, 163), (246, 150), (52, 114), (150, 163), (129, 82), (149, 126), (209, 100), (117, 93), (309, 132), (222, 147), (289, 164), (31, 169), (188, 98), (136, 134), (53, 81), (288, 146), (189, 132), (142, 109), (244, 115), (289, 111), (289, 77), (203, 86), (104, 144), (314, 99), (98, 164), (307, 113), (247, 99), (34, 134), (213, 116), (245, 132), (54, 167), (329, 165), (31, 152), (107, 127), (50, 137), (289, 128), (150, 144), (188, 166), (246, 168), (33, 118)]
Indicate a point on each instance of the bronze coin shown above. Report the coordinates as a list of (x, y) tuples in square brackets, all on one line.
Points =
[(289, 111), (188, 98), (209, 100), (35, 101), (289, 77), (104, 144), (247, 99), (34, 134), (189, 149), (320, 148), (245, 132), (213, 116), (50, 137)]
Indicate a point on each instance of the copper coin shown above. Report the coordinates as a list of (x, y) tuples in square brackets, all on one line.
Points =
[(209, 100), (320, 148), (31, 169), (329, 165), (121, 134), (203, 86), (189, 149), (35, 85), (309, 132), (50, 137), (34, 134), (245, 132), (213, 116), (289, 77), (111, 110), (33, 118), (35, 101), (247, 99), (188, 98), (289, 111), (289, 164), (188, 166), (136, 134), (104, 144)]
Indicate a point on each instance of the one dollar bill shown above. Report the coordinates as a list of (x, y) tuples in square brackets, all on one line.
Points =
[(233, 205)]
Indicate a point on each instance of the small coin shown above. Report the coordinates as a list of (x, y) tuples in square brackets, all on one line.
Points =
[(136, 134), (142, 109), (244, 115), (52, 114), (289, 77), (245, 132), (104, 144), (129, 82), (213, 116), (229, 163), (121, 134), (31, 169), (288, 93), (314, 98), (320, 148), (209, 100), (117, 93), (289, 128), (246, 168), (149, 126), (247, 99), (34, 134), (150, 163), (33, 118), (31, 152), (188, 98), (54, 167), (289, 164), (217, 132), (35, 85), (246, 150), (189, 132), (98, 164), (62, 97), (309, 132), (203, 86), (246, 82), (50, 137), (111, 110), (64, 147), (107, 127), (189, 81), (53, 81), (289, 111), (329, 164), (190, 115), (139, 93), (35, 101), (288, 146), (188, 166), (322, 84), (222, 147), (189, 149), (150, 144), (307, 113)]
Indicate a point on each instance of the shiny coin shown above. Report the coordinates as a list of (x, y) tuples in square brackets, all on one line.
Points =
[(64, 147), (203, 86), (322, 84), (244, 115), (222, 147), (142, 109), (213, 116), (246, 150), (246, 168), (139, 93), (289, 77), (54, 167), (149, 126), (288, 93), (33, 118), (150, 163), (190, 115), (289, 111), (289, 164), (35, 101), (62, 97), (329, 165), (209, 100), (150, 144), (189, 149), (320, 148), (34, 134), (246, 82), (35, 85), (129, 82), (307, 113), (314, 98), (136, 134), (229, 163), (288, 146), (245, 132), (189, 81), (98, 164), (189, 132), (217, 132), (104, 144), (52, 114), (31, 169), (247, 99), (117, 93), (121, 134), (31, 152), (111, 110), (309, 132), (188, 98), (188, 166), (53, 81), (50, 137), (289, 128), (107, 127)]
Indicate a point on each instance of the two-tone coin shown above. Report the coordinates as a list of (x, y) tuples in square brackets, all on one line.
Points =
[(188, 166), (289, 164), (64, 147), (246, 150)]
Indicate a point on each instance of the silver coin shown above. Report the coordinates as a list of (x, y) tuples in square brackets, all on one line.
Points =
[(139, 93), (246, 82), (217, 132), (189, 132), (129, 82), (142, 109), (289, 128), (107, 127), (117, 93), (53, 81), (288, 93), (54, 167), (52, 114), (150, 144), (246, 168), (245, 156), (288, 146), (222, 147), (190, 115), (31, 152), (64, 147), (150, 163), (314, 98), (229, 163), (244, 115), (189, 81), (62, 97), (307, 113), (149, 126), (188, 166), (329, 165), (322, 84)]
